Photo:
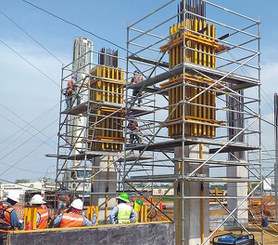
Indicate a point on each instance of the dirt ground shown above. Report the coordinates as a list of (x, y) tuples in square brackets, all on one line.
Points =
[(270, 233)]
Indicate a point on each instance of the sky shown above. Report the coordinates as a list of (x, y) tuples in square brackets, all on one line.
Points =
[(29, 95)]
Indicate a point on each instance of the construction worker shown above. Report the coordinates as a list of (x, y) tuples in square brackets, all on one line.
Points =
[(134, 129), (70, 91), (137, 78), (9, 218), (123, 213), (42, 211), (63, 199), (74, 217)]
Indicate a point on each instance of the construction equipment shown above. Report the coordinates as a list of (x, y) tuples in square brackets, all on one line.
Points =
[(230, 239)]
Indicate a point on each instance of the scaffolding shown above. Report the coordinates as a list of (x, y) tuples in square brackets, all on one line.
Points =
[(199, 116), (90, 137), (196, 108)]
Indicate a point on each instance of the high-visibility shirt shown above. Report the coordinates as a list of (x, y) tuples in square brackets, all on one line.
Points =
[(69, 88), (137, 78), (124, 213), (71, 220), (44, 218), (7, 215)]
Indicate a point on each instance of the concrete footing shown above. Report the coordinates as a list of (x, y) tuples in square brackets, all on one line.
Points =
[(162, 233)]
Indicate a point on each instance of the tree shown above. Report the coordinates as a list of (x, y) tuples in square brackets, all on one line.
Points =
[(22, 181)]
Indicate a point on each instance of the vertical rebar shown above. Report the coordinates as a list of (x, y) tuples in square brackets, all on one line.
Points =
[(108, 57), (192, 7)]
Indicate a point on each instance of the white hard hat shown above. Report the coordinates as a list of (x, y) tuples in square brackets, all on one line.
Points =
[(13, 197), (77, 204), (37, 199)]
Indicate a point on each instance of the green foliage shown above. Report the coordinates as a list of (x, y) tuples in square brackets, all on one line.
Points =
[(22, 181)]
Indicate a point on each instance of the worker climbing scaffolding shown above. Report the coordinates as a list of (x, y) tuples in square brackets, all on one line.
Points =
[(134, 130), (71, 92), (137, 78)]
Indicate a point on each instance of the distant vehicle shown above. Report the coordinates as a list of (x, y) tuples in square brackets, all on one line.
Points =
[(79, 182)]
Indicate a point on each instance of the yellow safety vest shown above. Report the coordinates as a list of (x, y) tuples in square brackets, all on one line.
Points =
[(124, 213)]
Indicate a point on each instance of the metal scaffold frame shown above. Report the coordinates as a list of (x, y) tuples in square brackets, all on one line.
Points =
[(197, 109), (90, 137), (205, 75)]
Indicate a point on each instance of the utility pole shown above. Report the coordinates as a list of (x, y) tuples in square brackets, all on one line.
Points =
[(276, 152)]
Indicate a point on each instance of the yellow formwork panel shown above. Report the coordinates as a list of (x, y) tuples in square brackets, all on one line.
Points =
[(105, 126), (105, 130), (107, 84), (209, 49), (199, 37), (30, 218), (90, 213)]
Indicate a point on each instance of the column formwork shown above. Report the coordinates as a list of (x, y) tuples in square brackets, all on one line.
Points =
[(200, 113)]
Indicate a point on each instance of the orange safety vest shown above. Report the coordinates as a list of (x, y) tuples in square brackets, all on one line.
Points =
[(71, 220), (69, 88), (137, 78), (7, 215), (44, 218)]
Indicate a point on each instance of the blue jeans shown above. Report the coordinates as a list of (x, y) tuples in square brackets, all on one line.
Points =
[(136, 93), (68, 101)]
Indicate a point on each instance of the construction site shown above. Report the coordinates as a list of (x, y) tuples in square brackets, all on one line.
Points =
[(184, 138)]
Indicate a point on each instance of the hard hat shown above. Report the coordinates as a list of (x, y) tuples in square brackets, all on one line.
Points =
[(136, 72), (74, 77), (64, 187), (37, 199), (123, 196), (138, 201), (13, 197), (77, 204)]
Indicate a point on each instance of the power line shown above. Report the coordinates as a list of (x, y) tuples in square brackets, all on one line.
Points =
[(22, 169), (26, 155), (27, 170), (26, 141), (75, 25), (29, 63), (28, 132), (28, 124), (39, 118), (31, 37)]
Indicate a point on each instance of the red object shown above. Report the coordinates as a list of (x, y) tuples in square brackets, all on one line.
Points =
[(28, 226)]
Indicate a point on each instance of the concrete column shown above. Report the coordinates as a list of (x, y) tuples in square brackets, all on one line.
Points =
[(236, 190), (188, 212), (103, 182), (236, 122)]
